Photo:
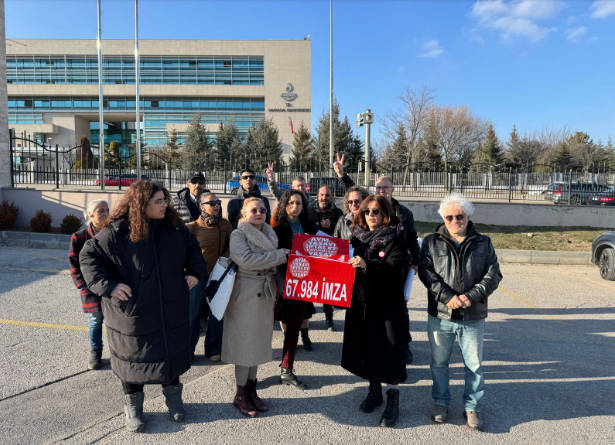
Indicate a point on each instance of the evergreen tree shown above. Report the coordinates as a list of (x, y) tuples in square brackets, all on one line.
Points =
[(563, 160), (173, 153), (609, 155), (229, 145), (303, 146), (263, 145), (492, 150), (344, 140), (83, 155), (197, 146), (112, 155)]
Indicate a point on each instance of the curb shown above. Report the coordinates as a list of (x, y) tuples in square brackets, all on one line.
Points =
[(544, 257), (35, 240)]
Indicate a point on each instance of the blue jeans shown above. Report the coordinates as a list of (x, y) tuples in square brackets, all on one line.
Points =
[(96, 328), (470, 335), (213, 339)]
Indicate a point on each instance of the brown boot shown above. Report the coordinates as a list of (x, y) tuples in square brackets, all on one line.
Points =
[(242, 402), (259, 405)]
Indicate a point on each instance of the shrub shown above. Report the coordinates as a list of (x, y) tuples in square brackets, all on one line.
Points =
[(8, 215), (70, 224), (41, 222)]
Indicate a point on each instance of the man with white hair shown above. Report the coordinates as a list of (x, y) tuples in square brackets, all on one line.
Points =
[(460, 269)]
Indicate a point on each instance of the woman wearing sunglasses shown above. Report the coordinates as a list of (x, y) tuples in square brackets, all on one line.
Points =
[(352, 201), (248, 319), (375, 327), (143, 265), (213, 234)]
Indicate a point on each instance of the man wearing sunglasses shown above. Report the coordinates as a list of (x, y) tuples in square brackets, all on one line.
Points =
[(385, 187), (248, 188), (185, 202), (460, 269)]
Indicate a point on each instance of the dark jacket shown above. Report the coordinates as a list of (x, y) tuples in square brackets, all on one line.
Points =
[(233, 209), (472, 269), (342, 228), (148, 335), (90, 302), (404, 215), (285, 241), (187, 209), (375, 332), (316, 215)]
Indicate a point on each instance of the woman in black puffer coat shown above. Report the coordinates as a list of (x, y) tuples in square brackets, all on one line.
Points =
[(143, 265)]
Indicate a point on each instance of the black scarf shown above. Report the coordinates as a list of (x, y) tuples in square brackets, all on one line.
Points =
[(209, 219)]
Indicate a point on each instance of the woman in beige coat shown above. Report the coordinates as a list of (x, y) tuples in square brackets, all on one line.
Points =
[(248, 320)]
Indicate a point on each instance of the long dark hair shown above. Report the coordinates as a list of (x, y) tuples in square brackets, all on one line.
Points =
[(281, 214), (131, 209), (388, 214)]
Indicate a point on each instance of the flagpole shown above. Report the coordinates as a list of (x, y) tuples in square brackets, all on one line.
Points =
[(137, 80), (331, 87), (101, 123)]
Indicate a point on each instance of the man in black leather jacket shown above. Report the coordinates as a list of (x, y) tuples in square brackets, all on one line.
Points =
[(460, 269)]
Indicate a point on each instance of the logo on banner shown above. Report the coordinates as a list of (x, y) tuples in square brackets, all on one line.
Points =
[(320, 246), (299, 267)]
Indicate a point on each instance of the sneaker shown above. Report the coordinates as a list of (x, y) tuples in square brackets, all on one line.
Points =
[(474, 423), (215, 358), (439, 413)]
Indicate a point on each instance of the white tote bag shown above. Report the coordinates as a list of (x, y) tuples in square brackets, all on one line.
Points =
[(220, 286)]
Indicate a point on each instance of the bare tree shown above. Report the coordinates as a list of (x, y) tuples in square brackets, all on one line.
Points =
[(550, 139), (70, 157)]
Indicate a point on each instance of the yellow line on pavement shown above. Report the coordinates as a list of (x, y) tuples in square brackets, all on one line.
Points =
[(53, 271), (526, 303), (66, 327), (43, 255)]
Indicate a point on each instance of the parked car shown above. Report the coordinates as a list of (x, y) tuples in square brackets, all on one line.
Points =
[(127, 180), (261, 182), (558, 192), (332, 183), (603, 255), (602, 199)]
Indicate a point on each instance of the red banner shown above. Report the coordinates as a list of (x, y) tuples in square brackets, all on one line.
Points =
[(321, 246), (319, 280)]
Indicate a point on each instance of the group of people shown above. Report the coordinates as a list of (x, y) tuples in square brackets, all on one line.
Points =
[(144, 267)]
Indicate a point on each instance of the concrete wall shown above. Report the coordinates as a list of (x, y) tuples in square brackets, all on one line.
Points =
[(518, 214), (65, 202)]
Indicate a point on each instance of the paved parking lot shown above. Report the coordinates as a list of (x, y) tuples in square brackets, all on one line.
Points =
[(549, 355)]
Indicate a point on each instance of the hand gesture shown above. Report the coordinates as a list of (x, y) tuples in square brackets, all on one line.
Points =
[(192, 281), (121, 292), (455, 303), (269, 171), (357, 261), (338, 166)]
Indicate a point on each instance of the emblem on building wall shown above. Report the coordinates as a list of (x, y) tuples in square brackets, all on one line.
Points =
[(289, 96)]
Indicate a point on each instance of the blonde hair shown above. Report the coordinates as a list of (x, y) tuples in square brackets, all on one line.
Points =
[(90, 209), (244, 215)]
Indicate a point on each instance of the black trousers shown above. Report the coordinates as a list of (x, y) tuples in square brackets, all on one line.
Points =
[(131, 388)]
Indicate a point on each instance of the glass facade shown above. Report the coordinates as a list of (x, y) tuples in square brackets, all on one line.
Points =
[(120, 70)]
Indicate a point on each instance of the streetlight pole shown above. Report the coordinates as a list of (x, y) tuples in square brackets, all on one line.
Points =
[(101, 131), (366, 119), (331, 87), (137, 72)]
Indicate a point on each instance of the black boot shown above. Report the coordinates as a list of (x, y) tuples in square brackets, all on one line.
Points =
[(133, 412), (329, 324), (305, 338), (374, 397), (173, 400), (289, 378), (95, 359), (391, 411)]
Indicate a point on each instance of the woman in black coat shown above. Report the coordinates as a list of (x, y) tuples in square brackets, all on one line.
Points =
[(143, 266), (375, 327), (290, 219)]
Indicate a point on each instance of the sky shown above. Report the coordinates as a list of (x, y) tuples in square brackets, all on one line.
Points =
[(529, 63)]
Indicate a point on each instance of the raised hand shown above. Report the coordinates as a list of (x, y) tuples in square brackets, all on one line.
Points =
[(338, 166), (269, 171)]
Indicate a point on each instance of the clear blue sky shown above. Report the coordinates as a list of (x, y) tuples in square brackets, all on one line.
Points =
[(526, 62)]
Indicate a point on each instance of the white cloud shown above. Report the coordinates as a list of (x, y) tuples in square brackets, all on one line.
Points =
[(431, 48), (518, 18), (602, 9), (474, 35), (574, 34), (570, 20)]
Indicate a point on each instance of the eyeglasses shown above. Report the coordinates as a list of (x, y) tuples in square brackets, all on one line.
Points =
[(374, 212), (246, 177), (161, 202), (355, 202), (449, 218), (256, 211), (197, 181), (212, 203), (383, 188)]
